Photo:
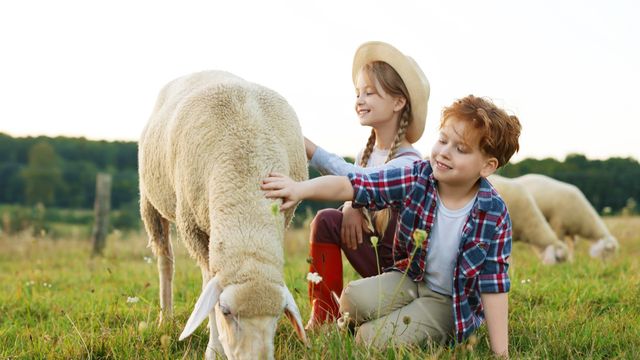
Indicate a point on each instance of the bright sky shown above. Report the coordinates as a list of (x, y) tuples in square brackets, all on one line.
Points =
[(568, 69)]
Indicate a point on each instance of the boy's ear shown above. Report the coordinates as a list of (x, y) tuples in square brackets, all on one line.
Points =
[(400, 103), (490, 166)]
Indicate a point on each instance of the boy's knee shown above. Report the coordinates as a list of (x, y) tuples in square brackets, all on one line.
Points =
[(354, 300)]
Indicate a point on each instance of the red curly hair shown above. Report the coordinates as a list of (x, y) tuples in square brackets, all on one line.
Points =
[(498, 132)]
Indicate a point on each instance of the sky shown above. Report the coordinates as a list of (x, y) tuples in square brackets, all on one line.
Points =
[(568, 69)]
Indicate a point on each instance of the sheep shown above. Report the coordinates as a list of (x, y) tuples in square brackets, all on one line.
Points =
[(211, 138), (570, 214), (529, 225)]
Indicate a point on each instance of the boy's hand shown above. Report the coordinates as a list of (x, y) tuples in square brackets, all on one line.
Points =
[(281, 186)]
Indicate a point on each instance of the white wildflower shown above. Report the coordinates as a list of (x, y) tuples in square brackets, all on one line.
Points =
[(132, 300), (314, 277), (148, 259)]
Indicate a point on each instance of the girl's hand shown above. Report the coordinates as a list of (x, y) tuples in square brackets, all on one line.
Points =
[(354, 224), (281, 186)]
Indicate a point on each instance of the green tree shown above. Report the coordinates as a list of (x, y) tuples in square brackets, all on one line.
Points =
[(42, 174)]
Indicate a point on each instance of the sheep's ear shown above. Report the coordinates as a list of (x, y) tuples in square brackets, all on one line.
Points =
[(293, 314), (203, 307)]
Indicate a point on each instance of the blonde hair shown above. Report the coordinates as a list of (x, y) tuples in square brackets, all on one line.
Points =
[(392, 84), (498, 132)]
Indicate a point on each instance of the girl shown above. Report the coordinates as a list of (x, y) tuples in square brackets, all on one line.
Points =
[(391, 97)]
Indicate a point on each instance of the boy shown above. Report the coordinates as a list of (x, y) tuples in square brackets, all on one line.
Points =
[(459, 270)]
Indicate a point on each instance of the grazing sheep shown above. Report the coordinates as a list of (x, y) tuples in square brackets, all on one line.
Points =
[(569, 213), (529, 224), (211, 139)]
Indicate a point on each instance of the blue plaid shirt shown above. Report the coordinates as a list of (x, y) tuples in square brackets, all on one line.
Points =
[(485, 244)]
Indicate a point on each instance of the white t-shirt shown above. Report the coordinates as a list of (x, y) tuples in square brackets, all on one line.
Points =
[(443, 246)]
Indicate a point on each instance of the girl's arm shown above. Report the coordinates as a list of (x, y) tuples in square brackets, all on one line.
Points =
[(309, 147), (496, 311), (331, 164), (320, 188)]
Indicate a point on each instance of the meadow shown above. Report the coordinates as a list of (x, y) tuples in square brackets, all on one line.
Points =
[(56, 302)]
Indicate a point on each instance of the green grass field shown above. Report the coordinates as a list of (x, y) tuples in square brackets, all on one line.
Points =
[(58, 303)]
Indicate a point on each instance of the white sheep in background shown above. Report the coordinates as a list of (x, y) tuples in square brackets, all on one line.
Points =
[(529, 224), (211, 139), (569, 213)]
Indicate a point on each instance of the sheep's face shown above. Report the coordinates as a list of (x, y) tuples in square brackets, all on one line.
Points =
[(246, 317), (604, 248), (246, 327)]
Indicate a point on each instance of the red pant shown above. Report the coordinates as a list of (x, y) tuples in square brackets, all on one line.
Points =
[(325, 228)]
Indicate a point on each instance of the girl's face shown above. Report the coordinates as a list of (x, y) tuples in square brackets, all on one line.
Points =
[(374, 106)]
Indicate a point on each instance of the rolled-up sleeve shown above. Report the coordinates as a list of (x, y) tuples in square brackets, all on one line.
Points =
[(385, 188), (493, 277)]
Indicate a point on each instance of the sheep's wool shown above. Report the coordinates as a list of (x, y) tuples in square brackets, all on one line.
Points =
[(211, 139)]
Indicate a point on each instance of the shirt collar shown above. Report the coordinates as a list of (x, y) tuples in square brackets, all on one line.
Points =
[(485, 192)]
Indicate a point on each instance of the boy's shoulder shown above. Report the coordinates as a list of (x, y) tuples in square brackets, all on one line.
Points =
[(489, 200)]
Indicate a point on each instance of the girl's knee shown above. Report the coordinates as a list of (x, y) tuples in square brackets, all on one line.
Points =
[(325, 225)]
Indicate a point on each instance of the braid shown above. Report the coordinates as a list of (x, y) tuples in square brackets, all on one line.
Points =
[(381, 218), (368, 149), (402, 129)]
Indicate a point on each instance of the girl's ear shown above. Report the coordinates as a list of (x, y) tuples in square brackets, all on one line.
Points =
[(399, 104), (490, 166)]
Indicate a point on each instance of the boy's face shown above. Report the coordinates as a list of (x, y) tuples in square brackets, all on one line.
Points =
[(373, 105), (456, 157)]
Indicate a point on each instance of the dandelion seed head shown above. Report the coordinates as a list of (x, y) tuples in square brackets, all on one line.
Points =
[(142, 326), (165, 340), (132, 300)]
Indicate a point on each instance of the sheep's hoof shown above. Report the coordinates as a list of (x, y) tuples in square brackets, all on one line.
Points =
[(214, 351), (163, 318)]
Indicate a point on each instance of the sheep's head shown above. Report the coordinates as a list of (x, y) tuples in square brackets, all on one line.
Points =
[(556, 253), (246, 316), (604, 248)]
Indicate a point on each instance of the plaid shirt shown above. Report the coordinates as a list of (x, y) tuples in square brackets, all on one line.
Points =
[(485, 244)]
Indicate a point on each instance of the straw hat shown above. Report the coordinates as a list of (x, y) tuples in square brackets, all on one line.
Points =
[(413, 77)]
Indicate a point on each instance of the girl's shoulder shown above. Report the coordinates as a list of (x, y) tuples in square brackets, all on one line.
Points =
[(409, 151)]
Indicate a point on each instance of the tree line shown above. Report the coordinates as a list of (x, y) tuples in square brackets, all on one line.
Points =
[(60, 172)]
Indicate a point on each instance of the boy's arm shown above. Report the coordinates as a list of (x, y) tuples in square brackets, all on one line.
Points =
[(320, 188), (496, 312)]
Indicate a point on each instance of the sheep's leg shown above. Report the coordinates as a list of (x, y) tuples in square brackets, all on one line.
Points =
[(158, 230), (197, 242)]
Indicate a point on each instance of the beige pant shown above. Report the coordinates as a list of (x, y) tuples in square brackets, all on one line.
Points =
[(392, 310)]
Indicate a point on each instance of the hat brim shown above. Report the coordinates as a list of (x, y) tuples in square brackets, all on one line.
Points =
[(413, 77)]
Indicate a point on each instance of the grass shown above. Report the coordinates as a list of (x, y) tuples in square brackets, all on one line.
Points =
[(58, 303)]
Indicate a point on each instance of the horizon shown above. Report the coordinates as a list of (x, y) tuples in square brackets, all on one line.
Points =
[(347, 155)]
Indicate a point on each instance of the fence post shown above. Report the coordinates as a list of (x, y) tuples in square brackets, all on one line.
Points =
[(101, 208)]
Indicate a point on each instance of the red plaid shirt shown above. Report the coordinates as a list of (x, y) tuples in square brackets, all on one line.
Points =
[(485, 244)]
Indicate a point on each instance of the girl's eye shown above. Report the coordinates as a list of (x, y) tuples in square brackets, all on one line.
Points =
[(461, 149)]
